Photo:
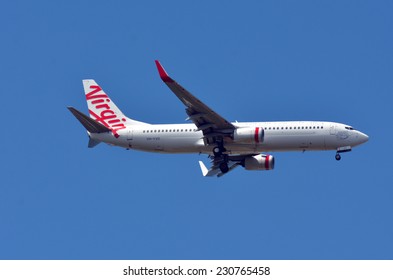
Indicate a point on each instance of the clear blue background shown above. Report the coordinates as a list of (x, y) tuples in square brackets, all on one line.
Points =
[(249, 61)]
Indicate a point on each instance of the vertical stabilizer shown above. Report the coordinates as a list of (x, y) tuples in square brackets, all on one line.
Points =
[(103, 110)]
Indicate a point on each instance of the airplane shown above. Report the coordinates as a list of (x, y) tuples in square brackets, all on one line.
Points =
[(227, 144)]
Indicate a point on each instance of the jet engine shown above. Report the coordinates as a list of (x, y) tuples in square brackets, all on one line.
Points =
[(249, 135), (259, 162)]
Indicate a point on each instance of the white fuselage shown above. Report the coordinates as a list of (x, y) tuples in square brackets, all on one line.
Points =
[(278, 136), (228, 144)]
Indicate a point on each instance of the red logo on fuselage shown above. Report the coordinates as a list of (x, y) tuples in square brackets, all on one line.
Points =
[(105, 115)]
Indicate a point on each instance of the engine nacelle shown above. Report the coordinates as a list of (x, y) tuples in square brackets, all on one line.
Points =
[(249, 135), (259, 162)]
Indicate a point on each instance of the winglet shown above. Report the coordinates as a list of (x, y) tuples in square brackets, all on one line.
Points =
[(163, 74), (203, 168)]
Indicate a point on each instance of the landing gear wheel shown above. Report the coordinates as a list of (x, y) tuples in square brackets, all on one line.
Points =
[(217, 151), (224, 167), (338, 157)]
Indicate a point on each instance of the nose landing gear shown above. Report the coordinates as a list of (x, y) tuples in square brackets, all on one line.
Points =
[(342, 150)]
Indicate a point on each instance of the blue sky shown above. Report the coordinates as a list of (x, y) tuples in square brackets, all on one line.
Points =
[(249, 61)]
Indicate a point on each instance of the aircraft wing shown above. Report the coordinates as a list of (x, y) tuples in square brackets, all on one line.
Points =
[(209, 122)]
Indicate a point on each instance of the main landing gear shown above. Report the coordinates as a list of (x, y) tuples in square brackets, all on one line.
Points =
[(220, 157), (218, 150), (224, 167)]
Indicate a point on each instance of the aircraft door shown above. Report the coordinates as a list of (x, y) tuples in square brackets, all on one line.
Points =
[(333, 129)]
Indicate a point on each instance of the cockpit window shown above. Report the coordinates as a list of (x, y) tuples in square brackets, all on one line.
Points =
[(349, 128)]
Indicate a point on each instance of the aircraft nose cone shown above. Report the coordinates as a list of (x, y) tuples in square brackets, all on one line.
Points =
[(363, 138)]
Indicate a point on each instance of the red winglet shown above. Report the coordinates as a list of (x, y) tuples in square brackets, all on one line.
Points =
[(164, 76)]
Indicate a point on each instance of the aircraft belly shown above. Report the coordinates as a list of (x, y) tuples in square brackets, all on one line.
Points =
[(184, 144), (149, 143), (165, 144), (110, 139), (289, 142)]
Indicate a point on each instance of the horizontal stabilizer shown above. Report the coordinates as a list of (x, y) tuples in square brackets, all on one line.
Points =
[(91, 125)]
